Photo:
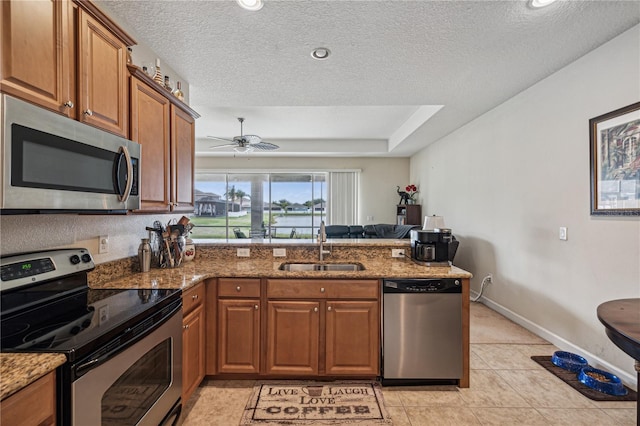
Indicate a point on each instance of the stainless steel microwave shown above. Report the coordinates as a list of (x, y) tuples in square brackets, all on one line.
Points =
[(52, 163)]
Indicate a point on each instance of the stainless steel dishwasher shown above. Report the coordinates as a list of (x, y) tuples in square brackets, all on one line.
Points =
[(421, 330)]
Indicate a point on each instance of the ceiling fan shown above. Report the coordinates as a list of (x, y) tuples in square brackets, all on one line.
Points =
[(244, 143)]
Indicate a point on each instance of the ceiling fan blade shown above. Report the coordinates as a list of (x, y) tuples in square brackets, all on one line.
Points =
[(219, 139), (265, 146), (227, 145)]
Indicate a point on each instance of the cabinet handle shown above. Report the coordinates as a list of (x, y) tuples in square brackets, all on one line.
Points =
[(329, 308), (194, 297), (88, 112), (68, 104), (322, 290), (315, 309), (255, 307), (186, 326), (238, 288)]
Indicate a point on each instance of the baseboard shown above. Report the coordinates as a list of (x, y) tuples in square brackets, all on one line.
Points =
[(630, 380)]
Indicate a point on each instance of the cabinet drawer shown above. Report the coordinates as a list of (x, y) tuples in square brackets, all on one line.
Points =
[(238, 287), (192, 298), (322, 289)]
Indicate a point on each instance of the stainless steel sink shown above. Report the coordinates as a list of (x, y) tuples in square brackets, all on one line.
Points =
[(303, 267)]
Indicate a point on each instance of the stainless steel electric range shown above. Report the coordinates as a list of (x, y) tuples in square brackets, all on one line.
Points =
[(123, 347)]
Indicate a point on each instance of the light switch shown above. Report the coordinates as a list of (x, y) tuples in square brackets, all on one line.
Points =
[(562, 233)]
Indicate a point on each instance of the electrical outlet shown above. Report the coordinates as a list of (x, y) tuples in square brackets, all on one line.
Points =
[(369, 218), (243, 252), (397, 252), (103, 244), (279, 252), (103, 314), (562, 233)]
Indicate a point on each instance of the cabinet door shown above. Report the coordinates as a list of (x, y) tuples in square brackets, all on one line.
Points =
[(37, 62), (102, 88), (182, 157), (414, 214), (239, 336), (192, 351), (150, 128), (293, 331), (352, 343)]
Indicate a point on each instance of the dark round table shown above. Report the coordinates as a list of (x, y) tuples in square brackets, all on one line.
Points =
[(621, 319)]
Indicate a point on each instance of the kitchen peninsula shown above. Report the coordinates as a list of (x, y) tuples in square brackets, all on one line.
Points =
[(253, 289)]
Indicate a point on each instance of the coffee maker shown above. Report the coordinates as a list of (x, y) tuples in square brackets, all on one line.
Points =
[(431, 247)]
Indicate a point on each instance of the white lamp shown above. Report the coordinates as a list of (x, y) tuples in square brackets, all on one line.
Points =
[(433, 222)]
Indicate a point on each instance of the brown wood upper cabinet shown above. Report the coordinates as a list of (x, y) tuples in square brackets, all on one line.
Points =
[(165, 127), (40, 43)]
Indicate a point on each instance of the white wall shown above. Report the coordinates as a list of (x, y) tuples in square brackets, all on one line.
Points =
[(378, 179), (506, 181)]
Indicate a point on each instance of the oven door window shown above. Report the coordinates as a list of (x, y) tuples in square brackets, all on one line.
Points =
[(134, 393)]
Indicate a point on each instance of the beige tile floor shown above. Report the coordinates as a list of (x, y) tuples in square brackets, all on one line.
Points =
[(507, 388)]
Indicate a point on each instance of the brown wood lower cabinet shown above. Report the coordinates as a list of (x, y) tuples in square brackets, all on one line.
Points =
[(293, 331), (193, 340), (352, 344), (238, 335), (327, 327), (32, 405), (238, 328)]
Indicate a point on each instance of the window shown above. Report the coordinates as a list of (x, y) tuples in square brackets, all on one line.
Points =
[(259, 205)]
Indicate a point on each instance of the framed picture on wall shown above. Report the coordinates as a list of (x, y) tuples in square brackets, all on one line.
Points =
[(615, 162)]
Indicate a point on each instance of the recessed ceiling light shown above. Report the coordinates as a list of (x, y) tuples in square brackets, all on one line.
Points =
[(320, 53), (251, 5), (540, 3)]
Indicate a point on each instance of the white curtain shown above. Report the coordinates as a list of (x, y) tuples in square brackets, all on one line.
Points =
[(342, 193)]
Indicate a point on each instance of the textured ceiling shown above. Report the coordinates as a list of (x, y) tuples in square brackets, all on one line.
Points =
[(391, 61)]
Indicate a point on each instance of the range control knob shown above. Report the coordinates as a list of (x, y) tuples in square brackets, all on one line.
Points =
[(86, 323), (74, 330), (457, 282), (75, 259), (86, 258)]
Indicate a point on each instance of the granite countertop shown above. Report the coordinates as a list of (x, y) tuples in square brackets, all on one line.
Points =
[(20, 370), (192, 273)]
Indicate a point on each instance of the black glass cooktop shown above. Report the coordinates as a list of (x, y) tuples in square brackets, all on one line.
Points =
[(75, 321), (47, 306)]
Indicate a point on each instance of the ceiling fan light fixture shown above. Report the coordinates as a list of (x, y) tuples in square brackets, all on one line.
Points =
[(243, 148), (320, 53), (537, 4), (252, 5)]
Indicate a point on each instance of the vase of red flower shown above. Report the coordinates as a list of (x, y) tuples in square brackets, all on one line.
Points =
[(411, 190)]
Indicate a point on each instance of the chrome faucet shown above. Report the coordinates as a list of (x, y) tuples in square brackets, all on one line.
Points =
[(322, 238)]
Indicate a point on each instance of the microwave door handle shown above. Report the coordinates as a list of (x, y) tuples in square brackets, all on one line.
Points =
[(127, 190)]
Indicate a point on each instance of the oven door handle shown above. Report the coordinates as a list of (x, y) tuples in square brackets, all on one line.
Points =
[(85, 367)]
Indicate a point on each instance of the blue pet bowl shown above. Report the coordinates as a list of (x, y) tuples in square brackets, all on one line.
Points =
[(569, 361), (602, 381)]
